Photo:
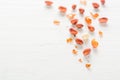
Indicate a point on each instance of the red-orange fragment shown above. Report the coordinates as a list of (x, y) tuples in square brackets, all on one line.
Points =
[(74, 51), (56, 22), (103, 20), (88, 65), (88, 20), (94, 15), (74, 6), (94, 43), (69, 40), (81, 10), (86, 51), (79, 26), (62, 9), (48, 3), (91, 28), (73, 31), (95, 5), (102, 2), (74, 21), (79, 41)]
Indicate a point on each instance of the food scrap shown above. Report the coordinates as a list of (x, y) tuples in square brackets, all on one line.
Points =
[(48, 3), (69, 40), (88, 65), (81, 11), (74, 6), (94, 15), (102, 2), (95, 5), (74, 51), (91, 28), (103, 20), (73, 31), (86, 51), (88, 20), (79, 41), (100, 33), (56, 22), (94, 43), (62, 9)]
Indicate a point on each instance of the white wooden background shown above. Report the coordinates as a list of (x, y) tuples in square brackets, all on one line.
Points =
[(32, 48)]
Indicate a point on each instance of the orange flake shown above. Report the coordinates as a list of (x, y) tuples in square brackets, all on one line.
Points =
[(69, 40), (100, 33), (56, 22), (74, 51), (94, 15), (88, 65), (88, 20), (94, 43)]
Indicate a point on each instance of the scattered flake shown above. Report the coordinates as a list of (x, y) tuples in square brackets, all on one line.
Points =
[(91, 28), (102, 2), (73, 31), (74, 6), (88, 65), (74, 51), (69, 40), (94, 43), (94, 15), (81, 10), (56, 22), (62, 9), (86, 51), (79, 26), (103, 20), (79, 41), (74, 21), (88, 20), (100, 33), (95, 5), (48, 3), (71, 16)]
